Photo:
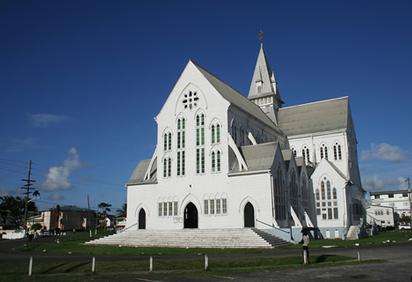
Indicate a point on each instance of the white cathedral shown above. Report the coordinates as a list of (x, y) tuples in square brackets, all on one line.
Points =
[(224, 161)]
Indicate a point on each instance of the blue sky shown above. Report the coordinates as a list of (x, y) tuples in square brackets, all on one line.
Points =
[(81, 81)]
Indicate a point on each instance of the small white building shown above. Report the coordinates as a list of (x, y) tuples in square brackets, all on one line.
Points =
[(226, 161), (380, 215), (399, 200)]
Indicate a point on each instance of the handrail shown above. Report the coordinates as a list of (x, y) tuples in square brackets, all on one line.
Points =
[(123, 230), (271, 226)]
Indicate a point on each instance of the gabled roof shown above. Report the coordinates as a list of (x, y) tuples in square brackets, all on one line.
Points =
[(337, 170), (315, 117), (237, 99), (139, 172), (259, 156)]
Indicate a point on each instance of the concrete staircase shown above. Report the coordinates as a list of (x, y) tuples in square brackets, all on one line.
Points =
[(272, 240), (192, 238)]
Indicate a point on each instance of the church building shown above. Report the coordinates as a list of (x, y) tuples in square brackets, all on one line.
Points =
[(223, 160)]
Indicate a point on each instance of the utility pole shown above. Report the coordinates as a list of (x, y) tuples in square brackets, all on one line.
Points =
[(27, 187)]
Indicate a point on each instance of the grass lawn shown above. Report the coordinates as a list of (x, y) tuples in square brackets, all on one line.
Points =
[(395, 237), (73, 244), (16, 271)]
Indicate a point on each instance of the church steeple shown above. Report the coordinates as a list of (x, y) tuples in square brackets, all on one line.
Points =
[(264, 89)]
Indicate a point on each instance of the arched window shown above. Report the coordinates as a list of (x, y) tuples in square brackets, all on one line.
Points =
[(213, 134), (167, 141), (323, 152), (279, 196), (327, 207), (337, 151), (328, 189), (294, 152), (218, 161), (181, 137), (322, 189), (305, 154), (200, 143), (167, 167), (213, 161)]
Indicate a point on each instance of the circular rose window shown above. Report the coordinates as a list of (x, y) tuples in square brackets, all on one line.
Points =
[(190, 100)]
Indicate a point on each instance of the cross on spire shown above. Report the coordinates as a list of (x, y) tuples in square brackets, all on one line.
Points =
[(260, 36)]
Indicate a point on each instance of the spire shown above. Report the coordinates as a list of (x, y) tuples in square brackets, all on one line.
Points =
[(261, 81), (264, 89)]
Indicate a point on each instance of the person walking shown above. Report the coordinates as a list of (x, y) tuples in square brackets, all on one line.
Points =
[(305, 246)]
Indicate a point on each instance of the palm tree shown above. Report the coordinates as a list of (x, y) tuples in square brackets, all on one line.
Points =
[(122, 211), (104, 207)]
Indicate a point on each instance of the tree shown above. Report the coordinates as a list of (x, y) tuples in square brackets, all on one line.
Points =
[(104, 208), (12, 210), (122, 211)]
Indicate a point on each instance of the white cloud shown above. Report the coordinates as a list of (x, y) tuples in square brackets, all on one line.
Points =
[(376, 183), (384, 151), (57, 177), (56, 197), (16, 145), (45, 120)]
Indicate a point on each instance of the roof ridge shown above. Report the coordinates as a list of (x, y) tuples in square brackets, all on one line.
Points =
[(315, 102), (245, 99), (261, 144)]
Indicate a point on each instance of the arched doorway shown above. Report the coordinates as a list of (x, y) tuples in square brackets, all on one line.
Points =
[(142, 219), (249, 215), (190, 216)]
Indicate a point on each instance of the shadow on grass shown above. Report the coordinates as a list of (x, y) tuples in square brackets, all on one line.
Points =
[(50, 269), (77, 265), (323, 258)]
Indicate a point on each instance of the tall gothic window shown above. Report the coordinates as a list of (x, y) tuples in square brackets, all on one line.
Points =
[(294, 152), (323, 152), (279, 196), (305, 154), (167, 167), (337, 151), (200, 143), (167, 141), (215, 133), (216, 159), (181, 139), (327, 206)]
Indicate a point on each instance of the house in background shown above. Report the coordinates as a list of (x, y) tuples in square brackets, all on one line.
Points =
[(381, 216), (399, 200), (65, 218)]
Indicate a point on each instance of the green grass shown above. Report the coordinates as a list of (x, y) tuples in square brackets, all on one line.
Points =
[(43, 268), (395, 237), (73, 244)]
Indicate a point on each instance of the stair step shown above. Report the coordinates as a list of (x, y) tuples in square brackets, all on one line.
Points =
[(203, 238)]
